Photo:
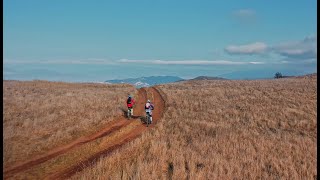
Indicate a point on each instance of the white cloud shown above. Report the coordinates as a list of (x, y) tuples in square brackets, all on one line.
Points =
[(299, 50), (254, 48), (256, 62), (284, 62), (302, 50), (188, 62)]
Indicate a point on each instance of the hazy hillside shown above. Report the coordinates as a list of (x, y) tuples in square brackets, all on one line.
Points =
[(208, 78), (156, 80), (204, 78), (257, 129)]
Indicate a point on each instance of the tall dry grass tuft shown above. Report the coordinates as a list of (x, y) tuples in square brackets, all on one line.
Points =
[(40, 115), (259, 129)]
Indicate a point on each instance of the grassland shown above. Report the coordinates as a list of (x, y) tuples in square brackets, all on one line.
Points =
[(257, 129), (211, 129), (40, 115)]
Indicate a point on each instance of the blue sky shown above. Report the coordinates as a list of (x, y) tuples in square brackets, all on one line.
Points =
[(99, 40)]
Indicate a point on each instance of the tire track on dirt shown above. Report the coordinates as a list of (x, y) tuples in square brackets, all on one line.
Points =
[(111, 127), (51, 154), (119, 142)]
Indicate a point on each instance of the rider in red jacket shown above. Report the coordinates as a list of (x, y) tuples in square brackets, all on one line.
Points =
[(130, 102)]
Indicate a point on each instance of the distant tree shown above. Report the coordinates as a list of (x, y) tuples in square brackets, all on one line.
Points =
[(278, 75)]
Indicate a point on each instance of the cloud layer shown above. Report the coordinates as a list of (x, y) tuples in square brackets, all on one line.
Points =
[(254, 48), (60, 61), (303, 51), (188, 62), (297, 50), (122, 61)]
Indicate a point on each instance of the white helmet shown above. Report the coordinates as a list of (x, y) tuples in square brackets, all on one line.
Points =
[(149, 101)]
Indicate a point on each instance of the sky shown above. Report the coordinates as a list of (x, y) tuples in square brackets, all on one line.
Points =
[(100, 40)]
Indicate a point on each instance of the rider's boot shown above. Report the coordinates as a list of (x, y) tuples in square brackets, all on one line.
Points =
[(150, 119), (132, 112)]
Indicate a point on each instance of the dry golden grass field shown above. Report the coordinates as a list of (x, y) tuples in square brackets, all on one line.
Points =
[(261, 129), (39, 115), (210, 129)]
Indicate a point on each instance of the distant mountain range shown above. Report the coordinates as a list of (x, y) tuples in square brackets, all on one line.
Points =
[(154, 80), (146, 81)]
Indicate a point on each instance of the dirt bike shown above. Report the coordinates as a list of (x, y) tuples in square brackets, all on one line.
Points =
[(148, 116), (129, 113), (148, 121)]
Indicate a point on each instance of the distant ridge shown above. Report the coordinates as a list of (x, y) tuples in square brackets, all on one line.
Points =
[(154, 80), (208, 78), (312, 75), (204, 78), (146, 81)]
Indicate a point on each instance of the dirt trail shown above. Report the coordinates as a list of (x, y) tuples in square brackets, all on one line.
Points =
[(111, 128)]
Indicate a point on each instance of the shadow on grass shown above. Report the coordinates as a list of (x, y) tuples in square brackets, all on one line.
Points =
[(125, 110)]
